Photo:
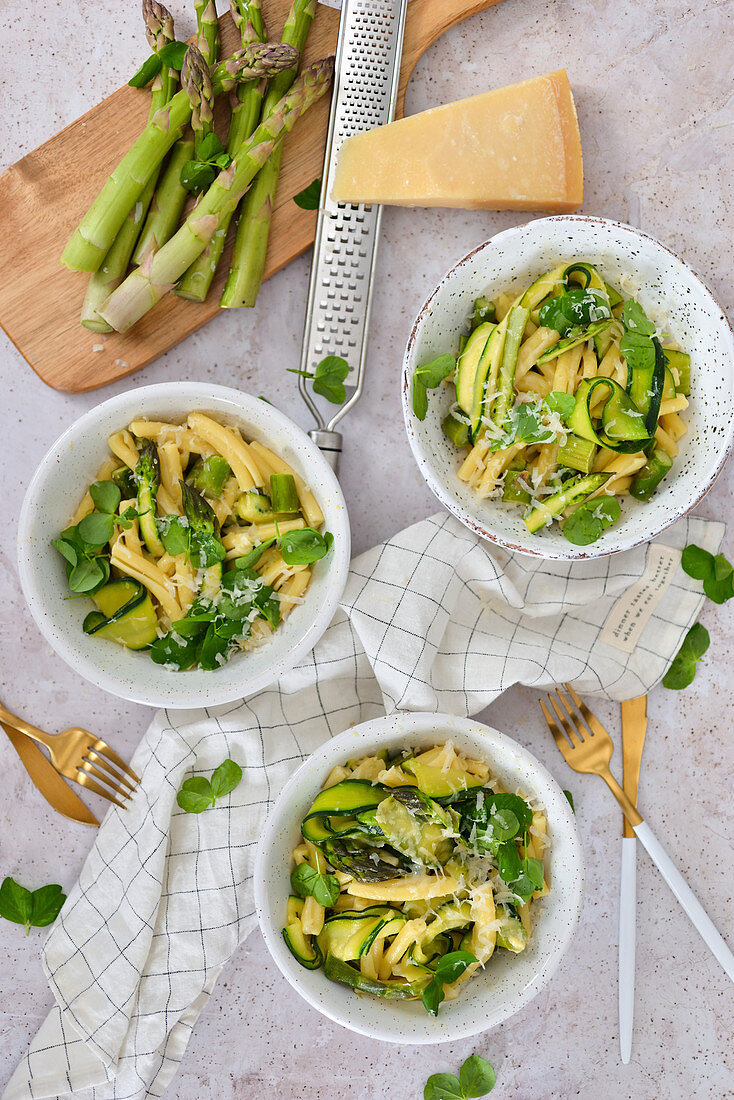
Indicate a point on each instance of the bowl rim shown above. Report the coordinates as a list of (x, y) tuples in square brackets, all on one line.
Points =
[(437, 487), (142, 398), (316, 766)]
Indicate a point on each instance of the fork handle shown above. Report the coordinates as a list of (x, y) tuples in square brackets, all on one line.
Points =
[(692, 906), (24, 727)]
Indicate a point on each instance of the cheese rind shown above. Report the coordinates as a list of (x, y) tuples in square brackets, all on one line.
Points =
[(515, 148)]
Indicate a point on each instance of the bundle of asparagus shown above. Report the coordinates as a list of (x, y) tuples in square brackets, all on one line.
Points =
[(142, 191)]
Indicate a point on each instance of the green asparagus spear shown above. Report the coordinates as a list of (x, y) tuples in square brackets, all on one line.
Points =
[(253, 229), (149, 283), (158, 31), (148, 479), (207, 30), (93, 237), (196, 80), (247, 17)]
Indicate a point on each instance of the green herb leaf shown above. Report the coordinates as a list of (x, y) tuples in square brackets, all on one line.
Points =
[(96, 529), (562, 403), (305, 546), (696, 562), (569, 797), (575, 308), (89, 575), (150, 68), (196, 795), (106, 496), (210, 147), (35, 909), (635, 319), (66, 550), (309, 198), (448, 969), (476, 1077), (329, 377), (683, 669), (176, 652), (197, 176), (716, 573), (172, 54), (443, 1086), (420, 398), (249, 561), (306, 882), (504, 825), (586, 523), (509, 862), (225, 778)]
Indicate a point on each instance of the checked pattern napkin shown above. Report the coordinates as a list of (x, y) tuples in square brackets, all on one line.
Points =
[(432, 620)]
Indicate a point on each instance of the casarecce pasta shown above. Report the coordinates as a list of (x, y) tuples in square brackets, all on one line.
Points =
[(407, 860), (193, 541), (566, 399)]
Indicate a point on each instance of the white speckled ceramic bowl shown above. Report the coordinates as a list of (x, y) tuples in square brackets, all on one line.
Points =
[(509, 981), (52, 497), (671, 293)]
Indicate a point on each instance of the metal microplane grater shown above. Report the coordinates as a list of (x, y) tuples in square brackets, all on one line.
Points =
[(366, 77)]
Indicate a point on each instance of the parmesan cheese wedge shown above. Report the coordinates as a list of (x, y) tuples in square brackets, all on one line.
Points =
[(515, 148)]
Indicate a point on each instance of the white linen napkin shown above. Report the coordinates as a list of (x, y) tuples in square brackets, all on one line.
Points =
[(435, 619)]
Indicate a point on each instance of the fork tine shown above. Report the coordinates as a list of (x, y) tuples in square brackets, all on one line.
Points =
[(86, 781), (96, 773), (592, 721), (569, 728), (120, 780), (104, 750), (558, 737), (577, 721)]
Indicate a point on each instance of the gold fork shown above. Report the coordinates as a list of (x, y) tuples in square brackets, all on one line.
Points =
[(587, 747), (81, 756)]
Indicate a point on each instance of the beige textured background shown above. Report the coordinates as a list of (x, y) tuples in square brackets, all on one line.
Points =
[(653, 82)]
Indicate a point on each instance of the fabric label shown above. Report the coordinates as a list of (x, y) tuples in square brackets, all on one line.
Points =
[(627, 619)]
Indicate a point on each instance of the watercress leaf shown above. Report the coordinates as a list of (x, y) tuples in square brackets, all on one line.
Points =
[(476, 1077), (303, 547), (513, 802), (225, 778), (175, 651), (443, 1086), (309, 198), (638, 350), (207, 550), (326, 890), (172, 54), (452, 966), (106, 496), (217, 644), (523, 887), (635, 319), (16, 903), (569, 797), (46, 903), (528, 427), (222, 160), (696, 562), (433, 373), (719, 590), (328, 539), (125, 519), (562, 403), (268, 605), (210, 147), (586, 522), (96, 529), (683, 669), (195, 795), (248, 561), (535, 871), (722, 568), (66, 550), (87, 575), (508, 861), (150, 68), (303, 878), (193, 626), (329, 377), (196, 176), (504, 825), (420, 398), (432, 996)]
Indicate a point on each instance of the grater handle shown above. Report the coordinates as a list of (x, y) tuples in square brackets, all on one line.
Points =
[(330, 445)]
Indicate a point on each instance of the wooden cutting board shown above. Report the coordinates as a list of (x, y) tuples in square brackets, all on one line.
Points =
[(40, 305)]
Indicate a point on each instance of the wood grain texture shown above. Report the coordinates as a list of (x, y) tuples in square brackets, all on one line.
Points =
[(39, 308)]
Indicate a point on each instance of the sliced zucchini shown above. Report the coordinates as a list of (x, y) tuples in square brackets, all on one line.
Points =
[(487, 374), (681, 362), (517, 319), (468, 362), (646, 480), (348, 797), (254, 507), (126, 615), (574, 490), (451, 916), (589, 333), (437, 783), (302, 947), (645, 386), (484, 310), (350, 935), (623, 425), (421, 840), (544, 287), (511, 933)]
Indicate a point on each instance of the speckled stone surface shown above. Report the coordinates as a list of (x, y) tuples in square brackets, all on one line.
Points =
[(653, 84)]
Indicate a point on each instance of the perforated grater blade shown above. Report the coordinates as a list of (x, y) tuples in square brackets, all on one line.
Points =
[(367, 71)]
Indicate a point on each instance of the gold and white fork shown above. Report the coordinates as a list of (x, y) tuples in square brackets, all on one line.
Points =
[(587, 747)]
